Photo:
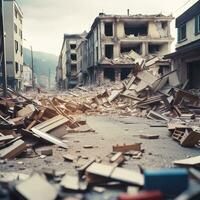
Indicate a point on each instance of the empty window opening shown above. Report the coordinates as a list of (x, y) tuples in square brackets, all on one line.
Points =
[(136, 29), (97, 54), (73, 69), (154, 48), (125, 72), (109, 73), (108, 29), (16, 67), (73, 57), (109, 51), (135, 47), (73, 46)]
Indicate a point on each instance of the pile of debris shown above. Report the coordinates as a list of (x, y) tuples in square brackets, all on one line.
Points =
[(24, 123), (102, 181)]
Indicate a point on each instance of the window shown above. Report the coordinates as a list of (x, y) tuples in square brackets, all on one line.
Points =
[(197, 24), (73, 46), (97, 54), (109, 29), (20, 33), (16, 46), (15, 27), (73, 57), (182, 33), (21, 50), (16, 67), (16, 13), (109, 51)]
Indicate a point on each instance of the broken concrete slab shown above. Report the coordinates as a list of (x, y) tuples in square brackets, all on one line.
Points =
[(36, 187)]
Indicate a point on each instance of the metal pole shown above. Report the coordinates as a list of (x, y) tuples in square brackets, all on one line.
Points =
[(2, 50), (49, 78), (33, 81)]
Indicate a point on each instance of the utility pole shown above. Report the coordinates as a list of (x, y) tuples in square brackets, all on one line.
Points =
[(33, 78), (49, 78), (2, 50)]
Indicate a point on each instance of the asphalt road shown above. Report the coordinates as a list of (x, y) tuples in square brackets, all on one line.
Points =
[(110, 130)]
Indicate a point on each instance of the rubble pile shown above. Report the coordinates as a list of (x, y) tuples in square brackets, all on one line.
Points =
[(25, 122), (102, 181)]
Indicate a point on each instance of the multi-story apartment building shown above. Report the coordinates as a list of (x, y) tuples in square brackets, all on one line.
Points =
[(13, 17), (111, 36), (186, 59), (68, 61), (82, 63)]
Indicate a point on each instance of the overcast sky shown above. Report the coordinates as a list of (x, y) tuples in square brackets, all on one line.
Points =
[(45, 21)]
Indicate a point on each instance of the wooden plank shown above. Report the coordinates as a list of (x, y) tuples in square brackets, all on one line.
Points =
[(114, 95), (73, 183), (193, 161), (52, 123), (36, 187), (50, 138), (6, 138), (100, 169), (125, 148), (127, 176), (190, 139), (15, 149)]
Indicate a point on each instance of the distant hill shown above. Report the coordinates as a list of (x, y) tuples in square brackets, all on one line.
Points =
[(43, 62)]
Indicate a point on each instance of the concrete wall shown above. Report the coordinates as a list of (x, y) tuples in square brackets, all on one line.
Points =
[(13, 56), (190, 33), (9, 43)]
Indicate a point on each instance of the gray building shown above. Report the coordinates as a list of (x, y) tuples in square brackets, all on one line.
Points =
[(68, 70), (186, 59), (112, 37), (14, 43)]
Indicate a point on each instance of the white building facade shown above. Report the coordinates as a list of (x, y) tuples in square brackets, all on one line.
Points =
[(13, 19)]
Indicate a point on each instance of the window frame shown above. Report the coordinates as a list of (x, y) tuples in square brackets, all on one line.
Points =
[(197, 25), (180, 37)]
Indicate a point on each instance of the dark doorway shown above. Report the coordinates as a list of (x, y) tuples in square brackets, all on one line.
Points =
[(193, 74), (109, 73)]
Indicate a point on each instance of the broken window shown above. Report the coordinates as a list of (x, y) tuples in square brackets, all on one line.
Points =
[(16, 67), (73, 57), (154, 48), (73, 69), (109, 73), (126, 48), (182, 33), (108, 29), (73, 46), (136, 29), (109, 51)]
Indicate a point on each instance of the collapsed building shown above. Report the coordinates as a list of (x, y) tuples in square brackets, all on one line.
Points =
[(115, 41), (114, 47), (67, 69)]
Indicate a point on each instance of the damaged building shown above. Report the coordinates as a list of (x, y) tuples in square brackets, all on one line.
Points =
[(186, 59), (116, 41), (67, 69)]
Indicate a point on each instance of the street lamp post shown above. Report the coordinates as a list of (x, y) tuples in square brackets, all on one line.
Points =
[(2, 51)]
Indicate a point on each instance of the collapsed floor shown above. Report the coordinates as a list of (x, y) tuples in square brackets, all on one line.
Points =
[(103, 149)]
